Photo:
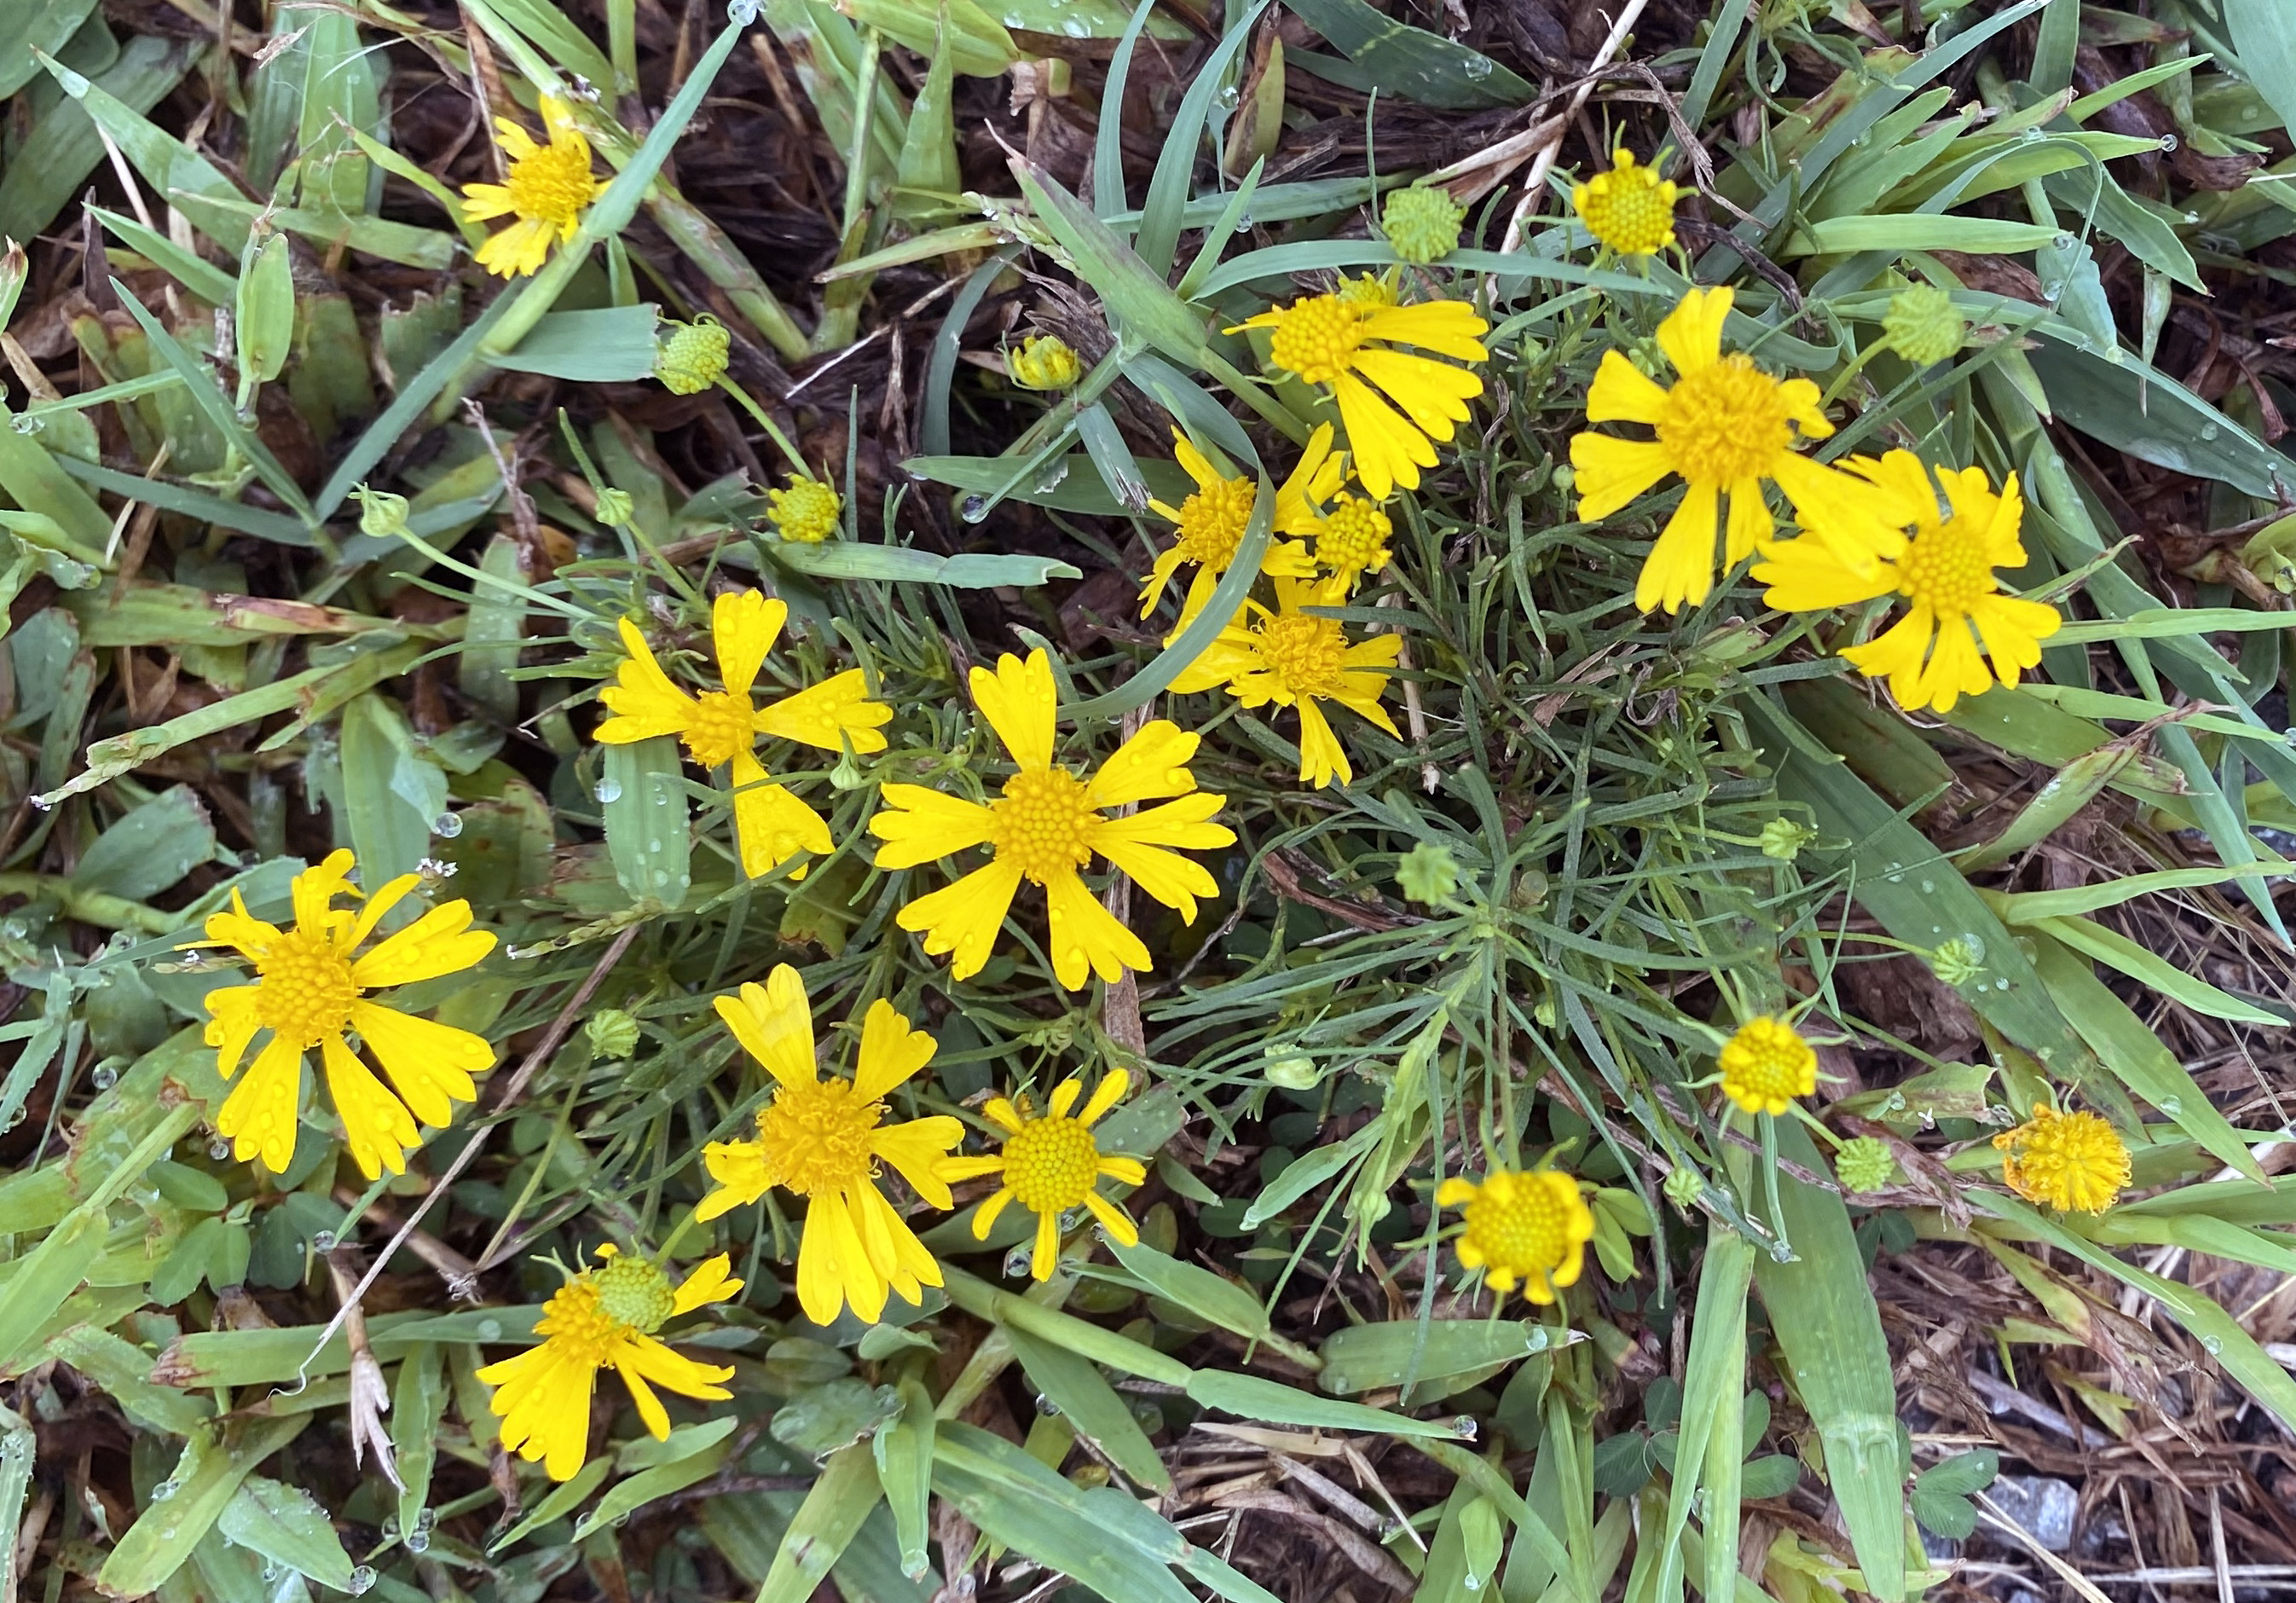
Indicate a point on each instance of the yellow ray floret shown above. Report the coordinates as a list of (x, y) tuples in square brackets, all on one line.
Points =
[(1958, 619), (1725, 428), (311, 985), (1046, 826), (603, 1319), (1292, 657), (720, 727), (1052, 1163), (546, 188), (1347, 345), (823, 1138)]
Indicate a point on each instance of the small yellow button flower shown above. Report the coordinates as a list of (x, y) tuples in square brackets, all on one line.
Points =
[(1351, 542), (1528, 1228), (1295, 658), (823, 1140), (693, 356), (1766, 1065), (804, 510), (1346, 344), (1629, 208), (1044, 362), (720, 727), (1422, 223), (1212, 521), (1960, 619), (1053, 1164), (2074, 1162), (1046, 826), (1726, 427), (547, 188), (310, 989), (604, 1318)]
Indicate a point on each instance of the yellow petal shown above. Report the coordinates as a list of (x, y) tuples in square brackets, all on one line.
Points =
[(376, 1127), (739, 1167), (1085, 936), (1680, 567), (1805, 576), (770, 824), (1450, 328), (258, 1117), (711, 1282), (439, 943), (819, 715), (643, 700), (919, 826), (431, 1063), (1388, 450), (963, 918), (1322, 758), (1623, 393), (1105, 1096), (1692, 334), (773, 1023), (1154, 762), (232, 1024), (890, 1051), (1613, 472), (917, 1150), (1021, 703), (743, 626)]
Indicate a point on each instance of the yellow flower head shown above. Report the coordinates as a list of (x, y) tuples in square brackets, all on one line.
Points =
[(1296, 658), (1529, 1227), (604, 1318), (721, 726), (547, 189), (1726, 425), (1213, 520), (823, 1140), (1329, 340), (2074, 1162), (1766, 1064), (1053, 1164), (1045, 362), (1630, 209), (804, 510), (1372, 290), (693, 356), (1958, 616), (1351, 541), (310, 988), (1046, 826)]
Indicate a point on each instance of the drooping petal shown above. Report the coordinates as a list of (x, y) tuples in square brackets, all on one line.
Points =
[(741, 1173), (2014, 628), (1692, 334), (1159, 574), (1322, 757), (1896, 654), (549, 1421), (1680, 567), (1434, 395), (519, 251), (1046, 1256), (431, 1063), (919, 826), (1312, 480), (1750, 525), (1623, 392), (1450, 328), (376, 1127), (651, 1413), (258, 1117), (439, 943), (711, 1282), (1612, 473), (773, 1023), (1112, 1219), (674, 1371), (1105, 1096), (1086, 937), (821, 714), (1021, 703), (250, 936), (1853, 518), (743, 626), (770, 824), (963, 918), (1388, 451), (1956, 669), (859, 1281), (914, 1266), (1154, 762), (916, 1151), (890, 1051), (643, 701), (232, 1025)]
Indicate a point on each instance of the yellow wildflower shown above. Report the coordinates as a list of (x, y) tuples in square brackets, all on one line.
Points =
[(804, 510), (1351, 541), (309, 988), (547, 188), (1725, 426), (604, 1318), (1529, 1227), (1937, 653), (1052, 1163), (1766, 1064), (2074, 1162), (823, 1140), (1213, 520), (1327, 339), (1296, 658), (1046, 826), (1045, 362), (721, 726), (1630, 209)]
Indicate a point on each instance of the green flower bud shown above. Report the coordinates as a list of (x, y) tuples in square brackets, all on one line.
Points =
[(1422, 223), (1684, 1186), (693, 356), (1292, 1071), (1960, 961), (615, 507), (1428, 874), (1865, 1164), (611, 1034), (1922, 325), (381, 512), (1784, 839)]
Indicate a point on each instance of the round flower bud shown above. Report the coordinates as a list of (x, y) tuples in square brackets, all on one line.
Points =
[(804, 510), (1422, 223), (693, 356), (381, 512), (1683, 1187), (1784, 839), (615, 507), (1924, 325), (1865, 1164), (1428, 874), (1044, 362), (611, 1034)]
